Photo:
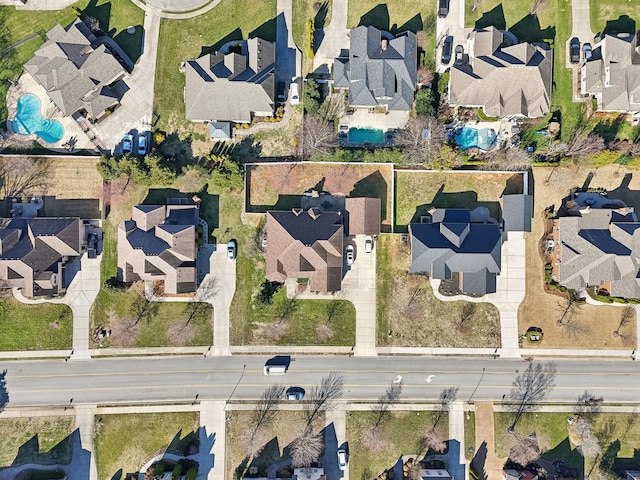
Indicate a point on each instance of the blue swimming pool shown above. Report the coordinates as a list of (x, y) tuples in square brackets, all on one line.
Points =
[(29, 120), (366, 135), (469, 137)]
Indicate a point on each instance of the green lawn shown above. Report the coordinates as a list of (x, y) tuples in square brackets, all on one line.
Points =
[(394, 17), (43, 440), (613, 16), (35, 327), (469, 436), (402, 433), (303, 11), (182, 40), (124, 442)]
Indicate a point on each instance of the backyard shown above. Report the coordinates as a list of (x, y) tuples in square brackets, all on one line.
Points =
[(182, 40), (400, 434), (43, 440), (597, 323), (122, 443), (404, 301)]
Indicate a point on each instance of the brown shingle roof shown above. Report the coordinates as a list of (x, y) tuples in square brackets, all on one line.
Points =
[(362, 216)]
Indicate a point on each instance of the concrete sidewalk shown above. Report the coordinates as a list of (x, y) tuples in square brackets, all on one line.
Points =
[(212, 440)]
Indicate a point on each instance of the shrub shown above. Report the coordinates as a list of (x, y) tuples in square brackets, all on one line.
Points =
[(483, 116), (311, 28), (425, 103), (159, 469), (605, 157), (267, 292), (192, 473), (114, 284), (311, 96), (177, 470), (443, 81), (159, 137)]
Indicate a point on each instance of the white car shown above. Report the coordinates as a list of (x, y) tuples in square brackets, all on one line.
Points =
[(350, 253), (142, 145), (127, 144), (368, 244), (232, 249), (294, 93), (342, 459)]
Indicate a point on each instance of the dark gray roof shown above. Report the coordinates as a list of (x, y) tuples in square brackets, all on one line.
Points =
[(307, 228), (381, 69), (447, 246), (517, 211)]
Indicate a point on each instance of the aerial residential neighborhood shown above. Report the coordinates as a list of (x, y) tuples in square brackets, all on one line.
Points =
[(332, 240)]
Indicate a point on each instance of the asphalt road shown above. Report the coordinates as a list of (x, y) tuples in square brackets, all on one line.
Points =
[(167, 379)]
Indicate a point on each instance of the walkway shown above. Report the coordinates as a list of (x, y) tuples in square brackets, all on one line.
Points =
[(332, 38), (83, 455), (485, 459), (456, 460), (335, 438), (212, 439)]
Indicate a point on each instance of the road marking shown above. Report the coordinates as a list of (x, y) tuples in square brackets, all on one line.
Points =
[(398, 379), (429, 379)]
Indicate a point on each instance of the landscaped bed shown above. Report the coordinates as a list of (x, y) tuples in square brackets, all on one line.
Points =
[(123, 443), (406, 301), (44, 326)]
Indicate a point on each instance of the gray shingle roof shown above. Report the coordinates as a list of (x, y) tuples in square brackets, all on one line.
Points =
[(381, 69), (517, 212)]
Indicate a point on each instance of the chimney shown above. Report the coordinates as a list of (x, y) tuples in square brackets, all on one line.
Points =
[(314, 213), (384, 43)]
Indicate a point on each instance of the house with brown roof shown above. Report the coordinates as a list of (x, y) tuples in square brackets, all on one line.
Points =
[(35, 251), (504, 79), (612, 75), (160, 243)]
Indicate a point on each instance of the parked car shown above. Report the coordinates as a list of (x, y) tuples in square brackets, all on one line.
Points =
[(459, 55), (281, 93), (586, 50), (294, 93), (142, 145), (232, 250), (443, 8), (295, 393), (350, 254), (574, 50), (127, 144), (342, 459), (368, 244), (447, 46)]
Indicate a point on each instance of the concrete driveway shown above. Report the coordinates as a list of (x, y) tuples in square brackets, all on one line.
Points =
[(224, 272), (288, 58), (452, 24), (332, 38), (581, 28)]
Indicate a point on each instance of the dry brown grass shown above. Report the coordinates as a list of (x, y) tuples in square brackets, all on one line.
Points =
[(411, 296), (601, 321)]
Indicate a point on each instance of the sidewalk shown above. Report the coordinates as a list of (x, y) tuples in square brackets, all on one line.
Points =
[(486, 463), (456, 460), (212, 439)]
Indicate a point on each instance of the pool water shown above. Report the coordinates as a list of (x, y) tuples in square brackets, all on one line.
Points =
[(469, 137), (29, 120), (366, 135)]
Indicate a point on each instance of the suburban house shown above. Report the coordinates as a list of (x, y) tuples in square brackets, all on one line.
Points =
[(504, 79), (34, 253), (461, 243), (379, 70), (160, 243), (234, 86), (597, 243), (309, 242), (79, 71), (517, 212), (612, 75)]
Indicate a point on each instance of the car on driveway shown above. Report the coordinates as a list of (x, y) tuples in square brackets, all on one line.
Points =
[(232, 250), (294, 93), (281, 93), (447, 46), (459, 55), (295, 393), (574, 50), (142, 145), (443, 8), (127, 144), (368, 244), (350, 254), (342, 459), (586, 50)]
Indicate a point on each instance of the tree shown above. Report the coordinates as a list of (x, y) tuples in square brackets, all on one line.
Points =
[(334, 309), (447, 396), (511, 159), (568, 307), (391, 395), (467, 312), (433, 440), (425, 103), (24, 176), (318, 135), (583, 144), (536, 6), (143, 309), (422, 139), (530, 387), (311, 96), (306, 448), (476, 4), (585, 439), (324, 396), (525, 449), (628, 315)]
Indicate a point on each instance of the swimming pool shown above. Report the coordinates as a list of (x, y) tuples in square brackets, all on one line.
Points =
[(29, 120), (366, 135), (469, 137)]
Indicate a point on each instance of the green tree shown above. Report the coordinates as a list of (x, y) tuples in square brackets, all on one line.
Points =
[(312, 96), (109, 167), (160, 172), (425, 103)]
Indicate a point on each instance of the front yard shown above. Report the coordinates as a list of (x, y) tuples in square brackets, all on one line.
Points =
[(43, 440), (612, 16), (405, 301), (45, 326), (395, 17)]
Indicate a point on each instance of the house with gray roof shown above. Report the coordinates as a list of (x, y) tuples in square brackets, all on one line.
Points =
[(597, 243), (160, 243), (78, 72), (34, 253), (612, 75), (456, 242), (505, 80), (380, 70), (517, 212), (233, 86)]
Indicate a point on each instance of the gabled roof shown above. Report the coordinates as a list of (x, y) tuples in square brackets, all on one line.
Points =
[(506, 81), (362, 216), (381, 69), (231, 87), (517, 212)]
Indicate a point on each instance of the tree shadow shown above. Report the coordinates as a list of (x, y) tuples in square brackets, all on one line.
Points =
[(101, 12), (321, 16), (377, 17), (494, 17), (528, 30), (608, 129), (266, 31), (414, 24), (178, 150), (570, 456), (478, 462), (623, 24)]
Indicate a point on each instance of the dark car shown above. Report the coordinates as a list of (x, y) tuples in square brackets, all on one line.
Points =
[(281, 92), (447, 46), (443, 8), (586, 50), (459, 55), (574, 50)]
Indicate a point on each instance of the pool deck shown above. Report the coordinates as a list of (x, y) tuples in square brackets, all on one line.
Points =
[(361, 118)]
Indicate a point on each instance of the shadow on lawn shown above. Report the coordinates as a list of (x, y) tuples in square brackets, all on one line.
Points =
[(526, 30), (379, 17), (266, 31), (623, 24)]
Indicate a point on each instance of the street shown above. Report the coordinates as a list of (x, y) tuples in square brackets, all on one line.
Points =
[(175, 379)]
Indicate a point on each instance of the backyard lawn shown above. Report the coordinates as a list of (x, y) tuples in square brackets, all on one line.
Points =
[(404, 301), (124, 442), (182, 40), (43, 440), (45, 326), (402, 435)]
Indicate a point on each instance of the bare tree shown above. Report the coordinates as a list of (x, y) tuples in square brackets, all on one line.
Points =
[(584, 436), (583, 143), (525, 449), (568, 307), (204, 296), (318, 135), (306, 448), (476, 4), (373, 440), (628, 315), (588, 406), (632, 419), (447, 397), (143, 309), (530, 387), (332, 107), (324, 396), (286, 307), (512, 160), (468, 311), (433, 440), (23, 176), (422, 139), (391, 395), (536, 6), (334, 309)]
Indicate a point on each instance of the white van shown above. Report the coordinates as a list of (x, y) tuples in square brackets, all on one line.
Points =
[(275, 369)]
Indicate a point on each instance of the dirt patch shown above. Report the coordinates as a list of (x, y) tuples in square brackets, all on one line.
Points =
[(596, 323), (124, 333), (181, 334)]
